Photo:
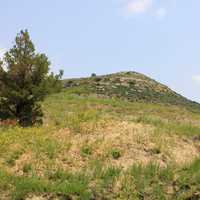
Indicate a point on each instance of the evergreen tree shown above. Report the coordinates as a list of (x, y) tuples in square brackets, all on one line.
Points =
[(25, 81)]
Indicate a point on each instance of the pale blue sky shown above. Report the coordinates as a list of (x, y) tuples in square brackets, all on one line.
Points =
[(160, 38)]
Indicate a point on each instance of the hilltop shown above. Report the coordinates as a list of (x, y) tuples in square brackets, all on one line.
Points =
[(131, 86), (120, 136)]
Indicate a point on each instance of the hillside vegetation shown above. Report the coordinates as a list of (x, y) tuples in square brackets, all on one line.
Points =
[(131, 86), (121, 136)]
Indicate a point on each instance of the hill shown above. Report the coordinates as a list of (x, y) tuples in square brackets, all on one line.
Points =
[(131, 86), (93, 147)]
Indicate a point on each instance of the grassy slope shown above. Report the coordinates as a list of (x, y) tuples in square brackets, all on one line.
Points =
[(97, 148)]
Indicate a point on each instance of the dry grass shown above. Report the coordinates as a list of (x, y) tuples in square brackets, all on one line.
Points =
[(136, 142)]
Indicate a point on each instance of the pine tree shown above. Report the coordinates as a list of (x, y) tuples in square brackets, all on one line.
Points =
[(24, 82)]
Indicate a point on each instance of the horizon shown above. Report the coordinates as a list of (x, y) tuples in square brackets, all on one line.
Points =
[(154, 37)]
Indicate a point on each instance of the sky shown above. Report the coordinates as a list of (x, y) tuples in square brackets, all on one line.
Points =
[(160, 38)]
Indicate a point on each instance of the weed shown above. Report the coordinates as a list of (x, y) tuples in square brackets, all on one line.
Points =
[(4, 181), (26, 185), (86, 151), (46, 146), (109, 175), (13, 157), (116, 154), (70, 184), (77, 120), (155, 150), (27, 168)]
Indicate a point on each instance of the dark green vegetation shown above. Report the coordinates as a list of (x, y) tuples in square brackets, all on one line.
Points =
[(24, 82), (131, 86)]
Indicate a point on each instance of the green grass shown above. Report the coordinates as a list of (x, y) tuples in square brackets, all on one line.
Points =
[(138, 182), (60, 183)]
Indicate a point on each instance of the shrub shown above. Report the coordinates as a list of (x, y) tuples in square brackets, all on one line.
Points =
[(93, 75)]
